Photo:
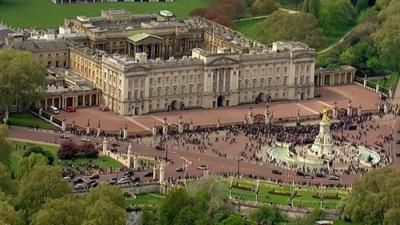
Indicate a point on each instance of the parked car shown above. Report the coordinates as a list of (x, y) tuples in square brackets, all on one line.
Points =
[(300, 173), (79, 181), (54, 109), (398, 142), (148, 174), (70, 109), (94, 177), (113, 181), (129, 174), (308, 176), (65, 136), (85, 139), (68, 179), (320, 175), (135, 179), (123, 181), (92, 183), (277, 172), (202, 167), (179, 169), (333, 177), (80, 187)]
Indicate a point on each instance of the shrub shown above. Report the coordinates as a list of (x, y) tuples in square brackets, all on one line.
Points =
[(39, 150), (88, 150), (68, 150), (282, 193)]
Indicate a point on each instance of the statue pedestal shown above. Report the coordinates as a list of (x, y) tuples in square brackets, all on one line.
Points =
[(323, 144)]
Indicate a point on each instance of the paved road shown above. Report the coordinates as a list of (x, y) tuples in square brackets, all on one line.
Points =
[(217, 164)]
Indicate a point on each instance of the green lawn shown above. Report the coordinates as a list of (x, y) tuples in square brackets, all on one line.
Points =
[(44, 13), (389, 83), (248, 28), (146, 199), (305, 198), (29, 120), (102, 162)]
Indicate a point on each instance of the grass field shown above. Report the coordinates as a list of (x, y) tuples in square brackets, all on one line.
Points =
[(248, 28), (146, 199), (102, 162), (389, 83), (305, 194), (29, 120), (44, 13)]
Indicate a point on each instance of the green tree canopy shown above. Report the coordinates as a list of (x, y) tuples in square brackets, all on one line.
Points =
[(8, 215), (233, 219), (107, 192), (388, 42), (263, 7), (68, 210), (336, 14), (42, 184), (266, 215), (374, 199), (7, 184), (22, 79), (104, 212), (28, 164), (5, 148), (312, 7), (281, 26)]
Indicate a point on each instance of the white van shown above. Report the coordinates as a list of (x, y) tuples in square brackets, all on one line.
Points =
[(54, 110)]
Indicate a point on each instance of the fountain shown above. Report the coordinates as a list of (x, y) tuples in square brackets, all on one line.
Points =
[(324, 153)]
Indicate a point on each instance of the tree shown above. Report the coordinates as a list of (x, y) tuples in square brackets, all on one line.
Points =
[(68, 210), (89, 150), (8, 215), (375, 199), (312, 7), (42, 184), (149, 216), (68, 150), (362, 5), (336, 15), (176, 199), (5, 148), (233, 219), (198, 12), (263, 7), (7, 184), (110, 193), (281, 26), (224, 20), (28, 164), (266, 215), (39, 150), (103, 212), (388, 42), (22, 79)]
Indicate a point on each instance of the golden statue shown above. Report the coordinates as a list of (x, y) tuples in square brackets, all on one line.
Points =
[(325, 116)]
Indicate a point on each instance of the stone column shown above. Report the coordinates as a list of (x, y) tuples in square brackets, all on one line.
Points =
[(129, 156), (135, 162), (154, 130), (105, 144), (154, 172), (162, 172), (125, 132), (365, 83), (63, 125), (359, 111), (377, 88), (385, 108)]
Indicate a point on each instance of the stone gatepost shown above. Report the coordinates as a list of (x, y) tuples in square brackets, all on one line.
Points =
[(180, 124), (165, 126), (377, 88), (162, 172), (385, 108), (129, 156), (105, 145), (154, 172), (154, 130), (125, 132), (359, 111)]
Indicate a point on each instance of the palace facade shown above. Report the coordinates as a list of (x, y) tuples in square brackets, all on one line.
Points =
[(145, 63)]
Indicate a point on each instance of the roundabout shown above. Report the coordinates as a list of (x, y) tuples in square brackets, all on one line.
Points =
[(324, 153)]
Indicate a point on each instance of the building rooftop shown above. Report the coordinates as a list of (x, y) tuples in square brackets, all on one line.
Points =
[(142, 36), (38, 45)]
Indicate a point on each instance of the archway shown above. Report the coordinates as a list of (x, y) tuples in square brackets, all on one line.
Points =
[(260, 98), (220, 101), (174, 105)]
